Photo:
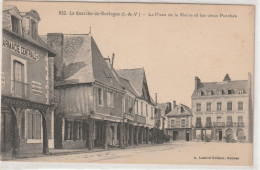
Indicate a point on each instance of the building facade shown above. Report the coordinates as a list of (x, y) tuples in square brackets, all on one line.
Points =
[(27, 117), (179, 122), (223, 110), (89, 112)]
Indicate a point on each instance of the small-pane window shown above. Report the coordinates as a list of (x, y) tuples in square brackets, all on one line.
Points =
[(198, 107), (240, 105), (229, 106), (208, 107)]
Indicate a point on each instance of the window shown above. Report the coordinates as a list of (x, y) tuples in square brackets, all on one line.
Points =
[(15, 24), (123, 105), (100, 96), (241, 91), (151, 112), (219, 119), (142, 108), (78, 128), (137, 109), (209, 92), (33, 124), (208, 107), (183, 123), (18, 71), (229, 118), (208, 120), (110, 99), (240, 105), (172, 123), (34, 29), (198, 107), (182, 109), (146, 109), (220, 91), (229, 106), (230, 91), (240, 119), (199, 93), (219, 104), (198, 120), (68, 130)]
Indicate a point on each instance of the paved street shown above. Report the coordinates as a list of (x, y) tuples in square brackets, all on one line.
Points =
[(180, 152)]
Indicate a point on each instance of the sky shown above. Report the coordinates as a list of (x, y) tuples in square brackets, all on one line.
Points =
[(172, 50)]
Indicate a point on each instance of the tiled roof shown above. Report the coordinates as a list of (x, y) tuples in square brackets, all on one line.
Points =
[(127, 85), (135, 76), (225, 86), (84, 62), (176, 111)]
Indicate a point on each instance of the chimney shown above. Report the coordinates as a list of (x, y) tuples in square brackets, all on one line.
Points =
[(55, 41), (174, 104), (156, 98), (227, 78), (113, 57), (197, 82)]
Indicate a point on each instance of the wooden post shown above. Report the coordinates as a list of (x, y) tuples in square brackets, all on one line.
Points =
[(136, 134), (147, 135), (153, 135), (45, 135), (107, 126), (141, 135), (131, 135), (127, 134), (91, 134), (121, 135)]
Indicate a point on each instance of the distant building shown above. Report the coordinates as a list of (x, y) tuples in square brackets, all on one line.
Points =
[(223, 110), (179, 122), (27, 117)]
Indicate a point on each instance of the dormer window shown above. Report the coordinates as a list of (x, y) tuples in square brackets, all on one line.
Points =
[(209, 92), (220, 91), (34, 29), (15, 24), (199, 93), (241, 91), (230, 91)]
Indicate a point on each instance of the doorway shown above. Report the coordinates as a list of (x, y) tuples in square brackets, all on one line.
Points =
[(187, 136), (7, 135), (175, 135), (220, 135)]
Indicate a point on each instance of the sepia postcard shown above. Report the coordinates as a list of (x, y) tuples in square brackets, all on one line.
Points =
[(127, 83)]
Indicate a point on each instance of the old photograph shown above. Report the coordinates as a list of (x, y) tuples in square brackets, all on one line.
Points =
[(127, 83)]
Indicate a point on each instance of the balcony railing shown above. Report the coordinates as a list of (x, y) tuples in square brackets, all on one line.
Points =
[(20, 89), (240, 124), (130, 116), (219, 124), (140, 119), (229, 124), (208, 124), (198, 125)]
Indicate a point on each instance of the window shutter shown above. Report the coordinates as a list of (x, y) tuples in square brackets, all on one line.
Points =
[(29, 125), (66, 130)]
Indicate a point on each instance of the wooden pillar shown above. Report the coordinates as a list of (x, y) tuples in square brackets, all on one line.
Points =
[(45, 135), (131, 135), (121, 135), (107, 128), (147, 135), (127, 134), (153, 135), (141, 135), (91, 134), (136, 134)]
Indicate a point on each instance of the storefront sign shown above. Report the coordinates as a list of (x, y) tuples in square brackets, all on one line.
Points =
[(36, 88), (20, 49), (10, 101)]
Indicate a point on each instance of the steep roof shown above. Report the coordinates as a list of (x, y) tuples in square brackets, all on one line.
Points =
[(84, 62), (127, 85), (135, 76), (177, 111), (225, 86)]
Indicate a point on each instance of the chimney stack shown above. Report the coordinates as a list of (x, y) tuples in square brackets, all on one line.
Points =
[(174, 104), (55, 41), (156, 98), (113, 57), (197, 82)]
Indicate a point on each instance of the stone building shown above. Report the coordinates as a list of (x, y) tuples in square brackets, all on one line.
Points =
[(223, 110), (179, 122), (27, 117)]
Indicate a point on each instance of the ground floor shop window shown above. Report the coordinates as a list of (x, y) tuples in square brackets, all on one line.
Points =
[(33, 124), (68, 130), (73, 130)]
